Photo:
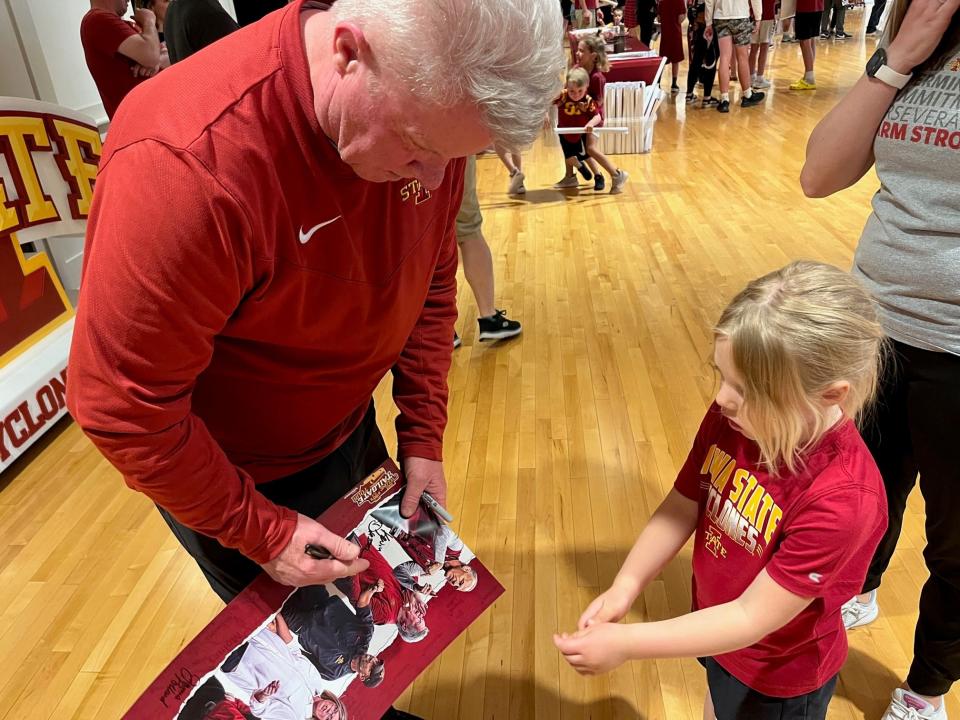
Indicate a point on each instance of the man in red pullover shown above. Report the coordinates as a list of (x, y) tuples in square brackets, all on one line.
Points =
[(228, 340)]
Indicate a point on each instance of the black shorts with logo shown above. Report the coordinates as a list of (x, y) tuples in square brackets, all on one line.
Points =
[(573, 149), (732, 700)]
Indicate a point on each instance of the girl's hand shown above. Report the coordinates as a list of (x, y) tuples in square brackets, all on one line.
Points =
[(598, 649), (921, 31), (708, 33), (610, 607)]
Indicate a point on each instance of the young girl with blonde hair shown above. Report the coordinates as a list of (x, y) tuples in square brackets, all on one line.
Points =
[(783, 499), (592, 57)]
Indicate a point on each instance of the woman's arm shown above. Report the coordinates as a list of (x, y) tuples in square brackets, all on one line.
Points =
[(763, 608), (669, 528), (840, 149)]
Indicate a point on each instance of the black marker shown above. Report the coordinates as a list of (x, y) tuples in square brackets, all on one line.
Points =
[(317, 552)]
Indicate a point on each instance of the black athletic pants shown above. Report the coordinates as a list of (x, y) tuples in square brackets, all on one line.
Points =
[(876, 14), (915, 430), (702, 50)]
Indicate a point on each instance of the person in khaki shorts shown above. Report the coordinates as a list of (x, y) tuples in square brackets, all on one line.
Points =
[(478, 263), (730, 20), (760, 43)]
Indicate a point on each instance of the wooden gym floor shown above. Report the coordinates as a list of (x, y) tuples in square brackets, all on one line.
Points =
[(559, 443)]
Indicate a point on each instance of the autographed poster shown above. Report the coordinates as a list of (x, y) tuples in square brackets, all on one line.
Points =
[(343, 650)]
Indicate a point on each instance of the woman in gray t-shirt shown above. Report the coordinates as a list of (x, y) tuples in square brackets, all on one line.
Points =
[(909, 258)]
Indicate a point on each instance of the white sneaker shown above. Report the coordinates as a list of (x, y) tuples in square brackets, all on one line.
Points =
[(760, 83), (857, 614), (904, 705), (516, 184), (567, 182), (619, 180)]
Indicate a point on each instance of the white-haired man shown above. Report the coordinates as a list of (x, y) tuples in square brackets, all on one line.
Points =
[(228, 340)]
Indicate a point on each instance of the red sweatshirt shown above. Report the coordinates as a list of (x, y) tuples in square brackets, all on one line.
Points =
[(244, 291)]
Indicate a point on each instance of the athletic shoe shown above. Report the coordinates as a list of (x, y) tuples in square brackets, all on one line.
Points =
[(824, 36), (674, 89), (761, 84), (802, 84), (842, 36), (498, 327), (457, 342), (724, 106), (870, 32), (619, 180), (709, 101), (788, 38), (904, 705), (598, 182), (516, 184), (585, 171), (568, 182), (755, 99), (858, 614), (691, 99)]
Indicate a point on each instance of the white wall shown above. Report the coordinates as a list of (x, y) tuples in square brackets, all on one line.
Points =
[(50, 35), (14, 75)]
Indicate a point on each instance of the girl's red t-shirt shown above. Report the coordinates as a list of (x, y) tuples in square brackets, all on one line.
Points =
[(814, 532)]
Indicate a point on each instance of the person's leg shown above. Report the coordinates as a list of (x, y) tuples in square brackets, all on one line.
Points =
[(762, 56), (726, 52), (875, 15), (708, 712), (708, 75), (743, 62), (478, 270), (617, 176), (754, 59), (698, 50), (733, 700), (675, 71), (933, 409), (825, 18), (840, 15), (887, 435), (309, 492)]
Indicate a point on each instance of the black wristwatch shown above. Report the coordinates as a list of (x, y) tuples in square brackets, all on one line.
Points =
[(877, 68)]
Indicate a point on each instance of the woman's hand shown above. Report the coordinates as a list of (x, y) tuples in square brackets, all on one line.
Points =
[(921, 32), (598, 649)]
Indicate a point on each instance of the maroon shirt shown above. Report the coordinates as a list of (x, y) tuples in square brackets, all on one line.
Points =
[(808, 6), (101, 33), (814, 532), (574, 113), (244, 291)]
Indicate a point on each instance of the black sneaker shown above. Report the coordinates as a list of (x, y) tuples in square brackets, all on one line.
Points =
[(871, 32), (755, 99), (598, 182), (498, 327), (457, 342), (585, 171), (724, 106), (842, 35), (709, 102), (824, 36)]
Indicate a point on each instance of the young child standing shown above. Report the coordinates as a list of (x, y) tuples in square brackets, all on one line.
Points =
[(784, 499), (575, 109), (592, 57)]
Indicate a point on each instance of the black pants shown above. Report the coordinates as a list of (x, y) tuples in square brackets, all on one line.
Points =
[(309, 492), (732, 700), (876, 14), (915, 430), (702, 51), (839, 13), (646, 17)]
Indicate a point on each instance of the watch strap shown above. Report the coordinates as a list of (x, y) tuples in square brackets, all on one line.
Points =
[(889, 76)]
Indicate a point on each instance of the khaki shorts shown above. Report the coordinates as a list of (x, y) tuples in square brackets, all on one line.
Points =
[(740, 29), (764, 36), (469, 218)]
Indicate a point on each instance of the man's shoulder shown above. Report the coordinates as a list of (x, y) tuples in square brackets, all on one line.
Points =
[(96, 20)]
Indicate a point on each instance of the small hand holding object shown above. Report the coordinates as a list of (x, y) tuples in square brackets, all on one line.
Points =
[(598, 649), (295, 566), (611, 606), (378, 588), (708, 34), (434, 567)]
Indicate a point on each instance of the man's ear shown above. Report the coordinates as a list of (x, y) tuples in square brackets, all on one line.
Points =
[(350, 48)]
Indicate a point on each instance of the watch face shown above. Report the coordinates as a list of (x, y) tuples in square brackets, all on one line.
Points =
[(877, 60)]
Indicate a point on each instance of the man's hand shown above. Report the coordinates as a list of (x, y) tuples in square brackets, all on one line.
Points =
[(422, 475), (598, 649), (708, 34), (139, 70), (263, 694), (294, 568), (144, 18), (433, 567)]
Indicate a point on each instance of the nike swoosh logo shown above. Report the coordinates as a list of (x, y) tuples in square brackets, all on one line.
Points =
[(305, 236)]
